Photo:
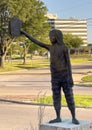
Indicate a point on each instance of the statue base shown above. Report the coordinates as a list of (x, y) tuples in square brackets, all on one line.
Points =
[(66, 124)]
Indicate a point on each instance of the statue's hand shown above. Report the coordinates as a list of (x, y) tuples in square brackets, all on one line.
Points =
[(71, 80)]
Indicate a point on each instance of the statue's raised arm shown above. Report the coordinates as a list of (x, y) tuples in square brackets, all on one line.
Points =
[(15, 30), (35, 41)]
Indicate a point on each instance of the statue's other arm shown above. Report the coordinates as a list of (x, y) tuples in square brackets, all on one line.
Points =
[(46, 46)]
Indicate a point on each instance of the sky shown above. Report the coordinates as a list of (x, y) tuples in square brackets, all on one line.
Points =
[(81, 9)]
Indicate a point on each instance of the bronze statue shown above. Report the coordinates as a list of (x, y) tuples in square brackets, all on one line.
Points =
[(61, 74)]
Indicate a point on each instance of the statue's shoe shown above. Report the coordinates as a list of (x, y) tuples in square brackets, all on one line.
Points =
[(57, 120), (75, 121)]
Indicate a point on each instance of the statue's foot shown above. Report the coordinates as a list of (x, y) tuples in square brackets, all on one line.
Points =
[(75, 121), (57, 120)]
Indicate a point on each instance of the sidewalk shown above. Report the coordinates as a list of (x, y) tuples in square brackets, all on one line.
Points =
[(26, 117)]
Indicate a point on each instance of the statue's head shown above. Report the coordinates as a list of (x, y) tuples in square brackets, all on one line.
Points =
[(56, 36)]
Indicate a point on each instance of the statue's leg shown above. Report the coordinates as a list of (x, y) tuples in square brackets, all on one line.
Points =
[(56, 89), (70, 102)]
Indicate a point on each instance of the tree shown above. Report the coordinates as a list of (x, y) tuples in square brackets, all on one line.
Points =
[(31, 12), (36, 25), (68, 39), (4, 37), (76, 42), (72, 41), (15, 49)]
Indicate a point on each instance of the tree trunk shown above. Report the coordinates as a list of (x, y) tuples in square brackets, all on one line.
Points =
[(24, 58), (2, 61)]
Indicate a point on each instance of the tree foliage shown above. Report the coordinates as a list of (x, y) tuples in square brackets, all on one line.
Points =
[(72, 41), (31, 12)]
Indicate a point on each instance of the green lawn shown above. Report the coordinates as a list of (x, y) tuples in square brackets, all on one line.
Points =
[(40, 62), (87, 78), (17, 65), (80, 100), (75, 59), (43, 62)]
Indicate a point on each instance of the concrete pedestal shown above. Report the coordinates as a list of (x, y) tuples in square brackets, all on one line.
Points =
[(66, 124)]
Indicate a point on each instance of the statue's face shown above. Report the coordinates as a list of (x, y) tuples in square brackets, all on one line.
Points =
[(52, 38)]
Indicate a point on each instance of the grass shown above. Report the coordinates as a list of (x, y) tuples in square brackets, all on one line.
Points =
[(80, 100), (85, 85), (87, 78), (40, 62), (18, 65), (75, 59)]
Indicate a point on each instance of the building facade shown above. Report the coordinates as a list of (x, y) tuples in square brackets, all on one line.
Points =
[(77, 27)]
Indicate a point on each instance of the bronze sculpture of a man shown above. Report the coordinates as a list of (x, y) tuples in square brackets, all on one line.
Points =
[(61, 74)]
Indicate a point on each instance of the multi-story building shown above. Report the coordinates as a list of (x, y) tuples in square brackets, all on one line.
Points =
[(74, 26)]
